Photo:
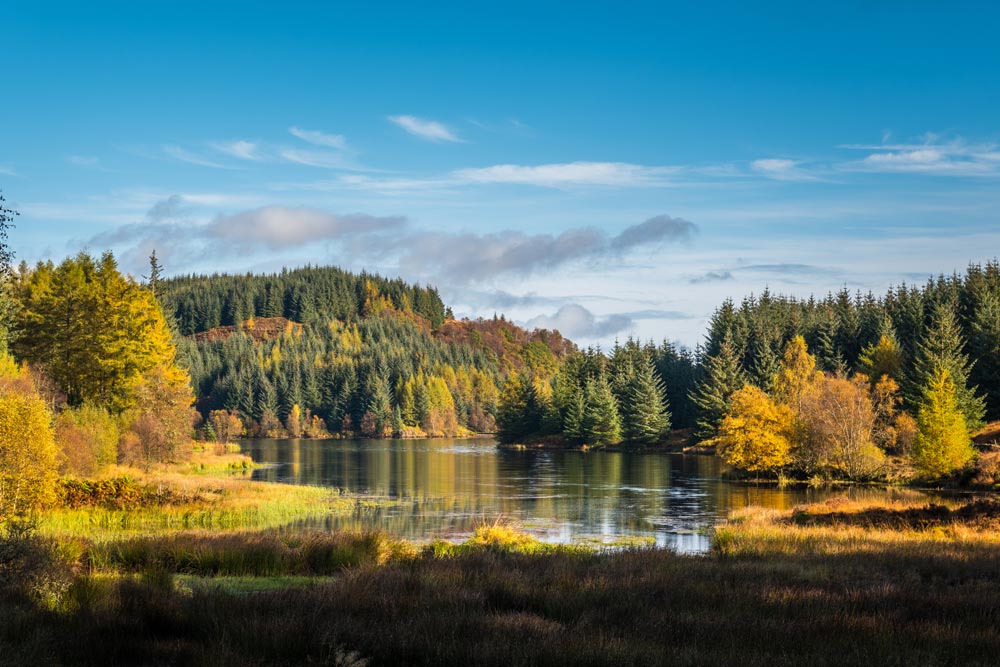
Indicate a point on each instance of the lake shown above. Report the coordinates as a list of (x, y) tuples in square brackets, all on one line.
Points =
[(447, 487)]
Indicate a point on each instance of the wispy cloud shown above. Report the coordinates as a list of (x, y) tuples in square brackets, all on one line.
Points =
[(318, 138), (781, 169), (244, 150), (7, 170), (86, 161), (183, 155), (711, 277), (277, 227), (568, 174), (931, 156), (431, 130), (317, 158)]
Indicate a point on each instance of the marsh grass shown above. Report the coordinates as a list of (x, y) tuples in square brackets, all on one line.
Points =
[(204, 503), (842, 583)]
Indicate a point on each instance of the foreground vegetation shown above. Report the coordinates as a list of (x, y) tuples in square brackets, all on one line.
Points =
[(834, 584)]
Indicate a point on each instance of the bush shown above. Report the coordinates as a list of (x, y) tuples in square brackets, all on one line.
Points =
[(87, 438)]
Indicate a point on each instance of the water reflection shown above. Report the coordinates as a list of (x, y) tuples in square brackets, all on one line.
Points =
[(448, 487)]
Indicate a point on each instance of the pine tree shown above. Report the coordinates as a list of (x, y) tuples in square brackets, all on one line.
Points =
[(943, 444), (941, 348), (601, 420), (984, 343), (648, 419), (520, 414), (723, 377)]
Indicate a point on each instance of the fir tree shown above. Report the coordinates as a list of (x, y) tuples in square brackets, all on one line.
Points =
[(601, 421), (984, 343), (722, 378), (941, 348), (648, 420)]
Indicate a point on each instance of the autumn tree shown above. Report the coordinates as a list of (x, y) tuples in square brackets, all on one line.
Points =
[(87, 439), (28, 464), (796, 373), (882, 359), (93, 330), (754, 434), (839, 422), (226, 424), (943, 444), (162, 418)]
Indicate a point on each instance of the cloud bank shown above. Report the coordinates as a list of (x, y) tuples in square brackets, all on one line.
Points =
[(449, 257)]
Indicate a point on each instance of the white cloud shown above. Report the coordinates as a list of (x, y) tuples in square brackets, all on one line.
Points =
[(781, 169), (318, 138), (7, 171), (425, 129), (283, 226), (932, 156), (568, 174), (576, 322), (179, 153), (244, 150)]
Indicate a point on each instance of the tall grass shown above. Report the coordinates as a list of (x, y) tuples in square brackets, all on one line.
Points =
[(835, 584)]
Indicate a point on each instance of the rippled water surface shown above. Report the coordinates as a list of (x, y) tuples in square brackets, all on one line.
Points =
[(445, 488)]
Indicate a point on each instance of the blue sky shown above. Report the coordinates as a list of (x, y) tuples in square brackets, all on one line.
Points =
[(608, 169)]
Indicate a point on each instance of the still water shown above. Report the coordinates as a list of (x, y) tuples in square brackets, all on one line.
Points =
[(445, 488)]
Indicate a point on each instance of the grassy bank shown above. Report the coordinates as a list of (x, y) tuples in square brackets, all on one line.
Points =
[(831, 584), (206, 492)]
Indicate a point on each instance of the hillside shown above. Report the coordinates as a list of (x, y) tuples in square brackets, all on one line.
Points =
[(320, 350)]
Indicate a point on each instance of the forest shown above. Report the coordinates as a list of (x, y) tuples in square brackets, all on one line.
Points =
[(316, 351), (814, 386)]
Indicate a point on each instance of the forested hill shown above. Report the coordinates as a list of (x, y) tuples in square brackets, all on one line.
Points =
[(307, 295), (317, 350)]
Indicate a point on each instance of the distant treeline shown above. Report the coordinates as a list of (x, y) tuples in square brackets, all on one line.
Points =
[(375, 357), (841, 327), (952, 322), (307, 295)]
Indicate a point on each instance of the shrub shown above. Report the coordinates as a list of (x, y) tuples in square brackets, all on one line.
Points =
[(27, 455)]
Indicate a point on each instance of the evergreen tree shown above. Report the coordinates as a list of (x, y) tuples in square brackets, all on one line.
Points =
[(941, 348), (984, 343), (520, 413), (648, 420), (722, 378), (601, 420)]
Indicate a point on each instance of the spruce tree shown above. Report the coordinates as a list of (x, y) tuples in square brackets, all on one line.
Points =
[(601, 421), (648, 419), (984, 343), (942, 348), (723, 377)]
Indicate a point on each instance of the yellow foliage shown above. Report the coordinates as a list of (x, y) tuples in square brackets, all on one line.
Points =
[(27, 454), (755, 433), (943, 444), (796, 374)]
